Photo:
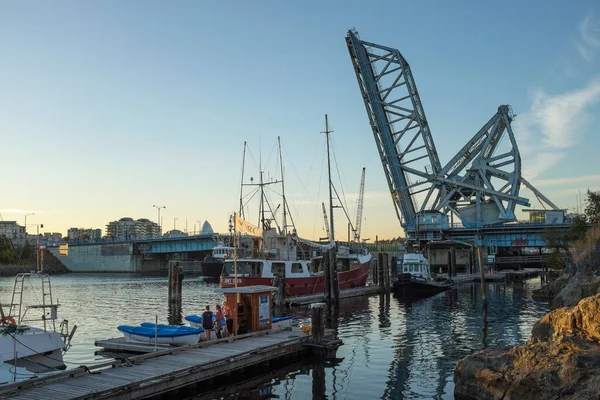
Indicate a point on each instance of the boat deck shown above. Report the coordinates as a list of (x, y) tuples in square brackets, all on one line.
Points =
[(160, 371)]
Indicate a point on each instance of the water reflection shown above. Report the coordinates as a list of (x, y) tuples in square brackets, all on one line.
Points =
[(393, 348)]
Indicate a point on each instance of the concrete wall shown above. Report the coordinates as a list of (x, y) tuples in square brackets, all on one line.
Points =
[(116, 257)]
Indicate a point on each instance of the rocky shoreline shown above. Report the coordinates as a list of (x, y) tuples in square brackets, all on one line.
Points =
[(52, 266), (561, 360)]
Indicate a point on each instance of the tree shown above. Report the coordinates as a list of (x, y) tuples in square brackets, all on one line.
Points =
[(592, 206)]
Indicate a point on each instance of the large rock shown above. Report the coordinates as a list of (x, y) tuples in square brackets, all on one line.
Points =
[(578, 287), (551, 289), (561, 360)]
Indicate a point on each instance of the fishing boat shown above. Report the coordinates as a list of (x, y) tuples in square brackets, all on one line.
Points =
[(150, 333), (35, 348), (414, 276), (213, 263), (276, 253)]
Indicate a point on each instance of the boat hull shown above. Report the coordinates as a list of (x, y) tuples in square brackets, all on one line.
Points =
[(212, 269), (39, 349), (304, 285), (420, 287)]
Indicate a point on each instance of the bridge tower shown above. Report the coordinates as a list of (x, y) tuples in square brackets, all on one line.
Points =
[(479, 185)]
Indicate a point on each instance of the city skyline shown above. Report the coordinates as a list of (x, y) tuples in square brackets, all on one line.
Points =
[(109, 110)]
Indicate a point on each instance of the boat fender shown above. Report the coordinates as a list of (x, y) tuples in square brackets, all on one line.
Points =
[(10, 320)]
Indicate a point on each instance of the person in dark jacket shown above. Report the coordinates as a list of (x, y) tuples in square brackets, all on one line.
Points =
[(207, 322)]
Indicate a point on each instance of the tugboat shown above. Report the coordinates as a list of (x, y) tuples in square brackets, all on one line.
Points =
[(414, 278), (213, 263)]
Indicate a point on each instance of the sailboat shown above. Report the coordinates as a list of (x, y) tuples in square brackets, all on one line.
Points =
[(276, 252)]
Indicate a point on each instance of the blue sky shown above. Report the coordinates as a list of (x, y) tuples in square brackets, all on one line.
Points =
[(107, 108)]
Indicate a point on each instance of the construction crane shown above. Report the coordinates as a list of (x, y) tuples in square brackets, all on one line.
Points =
[(359, 207), (326, 222), (480, 185)]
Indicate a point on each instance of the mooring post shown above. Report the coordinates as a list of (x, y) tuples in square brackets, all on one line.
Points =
[(482, 275), (394, 267), (326, 277), (175, 286), (453, 261), (335, 286), (380, 272), (374, 269), (318, 322), (280, 297), (387, 272)]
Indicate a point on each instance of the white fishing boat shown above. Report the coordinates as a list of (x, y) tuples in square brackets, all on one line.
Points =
[(37, 348)]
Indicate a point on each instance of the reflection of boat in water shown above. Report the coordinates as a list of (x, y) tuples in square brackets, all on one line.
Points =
[(414, 277), (213, 263), (38, 349)]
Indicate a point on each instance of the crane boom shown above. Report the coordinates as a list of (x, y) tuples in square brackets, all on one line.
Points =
[(359, 207)]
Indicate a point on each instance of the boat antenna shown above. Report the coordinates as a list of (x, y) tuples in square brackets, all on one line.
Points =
[(327, 132)]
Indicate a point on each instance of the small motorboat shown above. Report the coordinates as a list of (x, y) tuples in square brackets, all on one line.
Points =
[(149, 333), (414, 277), (281, 323)]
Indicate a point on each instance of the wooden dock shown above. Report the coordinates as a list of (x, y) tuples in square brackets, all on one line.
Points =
[(344, 294), (161, 371)]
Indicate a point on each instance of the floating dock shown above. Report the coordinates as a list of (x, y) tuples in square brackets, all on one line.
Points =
[(163, 370), (344, 294)]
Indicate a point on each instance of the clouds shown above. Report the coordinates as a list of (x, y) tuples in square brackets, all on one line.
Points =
[(589, 41), (554, 124)]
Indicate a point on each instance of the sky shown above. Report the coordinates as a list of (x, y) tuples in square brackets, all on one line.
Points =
[(108, 108)]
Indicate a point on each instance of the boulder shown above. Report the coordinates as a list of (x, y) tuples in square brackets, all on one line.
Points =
[(561, 360), (578, 287), (550, 290)]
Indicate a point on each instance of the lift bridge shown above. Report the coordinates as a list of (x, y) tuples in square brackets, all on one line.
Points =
[(471, 199)]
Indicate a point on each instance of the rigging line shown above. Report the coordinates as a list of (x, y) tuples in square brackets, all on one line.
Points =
[(344, 203)]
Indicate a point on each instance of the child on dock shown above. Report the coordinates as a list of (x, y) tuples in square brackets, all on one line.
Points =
[(207, 322)]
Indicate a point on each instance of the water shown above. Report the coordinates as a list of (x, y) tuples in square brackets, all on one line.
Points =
[(392, 349)]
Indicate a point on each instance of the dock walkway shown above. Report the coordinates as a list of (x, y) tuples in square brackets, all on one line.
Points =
[(159, 372)]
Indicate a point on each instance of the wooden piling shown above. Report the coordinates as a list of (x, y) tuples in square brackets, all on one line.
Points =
[(318, 381), (482, 275), (380, 273), (175, 285), (333, 272), (374, 270), (326, 277), (318, 322), (386, 271), (453, 261), (280, 297)]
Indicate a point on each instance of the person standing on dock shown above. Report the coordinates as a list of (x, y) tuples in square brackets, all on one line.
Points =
[(219, 321), (228, 319), (207, 322)]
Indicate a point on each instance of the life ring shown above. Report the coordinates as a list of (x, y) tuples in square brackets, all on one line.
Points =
[(10, 320)]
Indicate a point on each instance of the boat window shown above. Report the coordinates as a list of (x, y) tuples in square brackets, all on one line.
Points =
[(278, 269), (297, 268), (244, 268)]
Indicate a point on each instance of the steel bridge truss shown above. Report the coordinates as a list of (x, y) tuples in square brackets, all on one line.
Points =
[(480, 185)]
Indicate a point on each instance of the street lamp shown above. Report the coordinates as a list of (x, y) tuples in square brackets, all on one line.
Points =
[(158, 222), (199, 227), (26, 215)]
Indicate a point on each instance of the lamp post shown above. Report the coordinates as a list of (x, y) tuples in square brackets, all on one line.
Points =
[(199, 227), (159, 222), (26, 215)]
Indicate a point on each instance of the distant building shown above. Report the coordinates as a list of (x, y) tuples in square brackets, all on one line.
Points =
[(206, 229), (128, 228), (84, 233), (13, 231)]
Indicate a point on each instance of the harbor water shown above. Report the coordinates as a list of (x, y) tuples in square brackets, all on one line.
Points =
[(393, 348)]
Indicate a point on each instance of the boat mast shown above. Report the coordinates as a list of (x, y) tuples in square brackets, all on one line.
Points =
[(282, 188), (242, 183), (327, 132)]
